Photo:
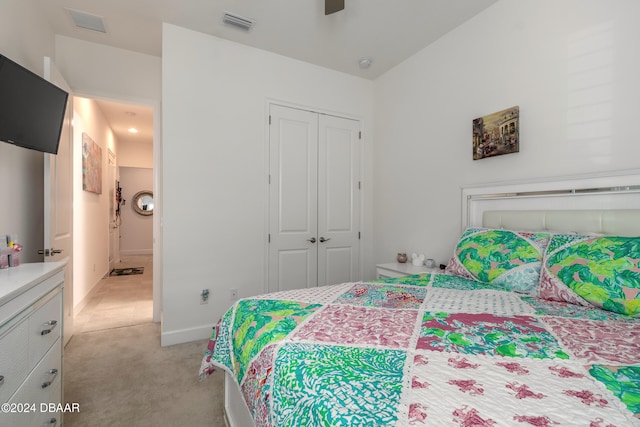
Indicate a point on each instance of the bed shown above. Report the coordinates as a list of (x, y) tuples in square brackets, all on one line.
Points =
[(534, 323)]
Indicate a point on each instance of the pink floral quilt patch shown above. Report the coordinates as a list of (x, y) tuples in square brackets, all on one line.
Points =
[(343, 324), (598, 342), (460, 390)]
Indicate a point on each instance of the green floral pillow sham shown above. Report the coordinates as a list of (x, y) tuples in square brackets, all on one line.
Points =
[(504, 258), (603, 271)]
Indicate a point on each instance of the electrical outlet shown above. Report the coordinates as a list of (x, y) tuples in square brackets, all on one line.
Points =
[(204, 296), (233, 294)]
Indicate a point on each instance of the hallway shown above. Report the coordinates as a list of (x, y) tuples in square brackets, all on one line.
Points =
[(119, 301)]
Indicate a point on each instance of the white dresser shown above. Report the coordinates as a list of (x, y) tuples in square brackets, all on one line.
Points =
[(31, 344)]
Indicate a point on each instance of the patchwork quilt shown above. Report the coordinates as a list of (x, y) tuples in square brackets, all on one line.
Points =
[(434, 349)]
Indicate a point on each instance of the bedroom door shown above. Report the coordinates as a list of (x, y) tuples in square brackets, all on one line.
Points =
[(58, 201), (314, 199)]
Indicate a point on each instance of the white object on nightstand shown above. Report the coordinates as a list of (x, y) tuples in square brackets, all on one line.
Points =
[(417, 260), (396, 269)]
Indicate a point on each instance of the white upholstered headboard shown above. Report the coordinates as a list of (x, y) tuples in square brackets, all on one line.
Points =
[(618, 222), (604, 204)]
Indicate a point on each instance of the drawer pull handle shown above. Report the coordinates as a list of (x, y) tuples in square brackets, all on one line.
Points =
[(54, 373), (51, 323), (1, 379), (52, 422)]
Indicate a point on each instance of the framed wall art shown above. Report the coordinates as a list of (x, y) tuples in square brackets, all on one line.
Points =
[(91, 165), (497, 133)]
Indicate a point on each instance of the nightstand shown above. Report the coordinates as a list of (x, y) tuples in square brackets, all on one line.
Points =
[(396, 269)]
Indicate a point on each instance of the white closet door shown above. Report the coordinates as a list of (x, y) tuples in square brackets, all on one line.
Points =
[(338, 200), (314, 199), (293, 198)]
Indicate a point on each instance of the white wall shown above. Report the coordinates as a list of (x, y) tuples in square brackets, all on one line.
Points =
[(572, 67), (26, 39), (90, 210), (135, 161), (136, 231), (135, 155), (215, 94)]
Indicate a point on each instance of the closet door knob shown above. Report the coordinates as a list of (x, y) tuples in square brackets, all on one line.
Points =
[(322, 239), (312, 240)]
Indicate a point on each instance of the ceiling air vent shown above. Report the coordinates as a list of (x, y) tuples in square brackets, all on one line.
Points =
[(237, 21), (87, 21)]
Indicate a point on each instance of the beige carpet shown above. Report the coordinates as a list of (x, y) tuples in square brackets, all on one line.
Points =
[(122, 377), (115, 369)]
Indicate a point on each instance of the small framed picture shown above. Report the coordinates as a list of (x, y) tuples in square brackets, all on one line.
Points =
[(91, 165), (496, 134)]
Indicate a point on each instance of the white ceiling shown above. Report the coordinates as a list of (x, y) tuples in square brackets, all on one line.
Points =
[(387, 31), (123, 116)]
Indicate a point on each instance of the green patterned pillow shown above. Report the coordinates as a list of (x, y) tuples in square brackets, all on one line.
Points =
[(603, 271), (509, 259)]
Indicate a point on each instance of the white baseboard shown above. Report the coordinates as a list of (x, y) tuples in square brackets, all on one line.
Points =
[(185, 335), (83, 303), (132, 252)]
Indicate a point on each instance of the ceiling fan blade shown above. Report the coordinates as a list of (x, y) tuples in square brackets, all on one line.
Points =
[(333, 6)]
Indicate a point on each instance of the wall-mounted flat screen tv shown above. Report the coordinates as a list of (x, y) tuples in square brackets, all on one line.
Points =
[(31, 108)]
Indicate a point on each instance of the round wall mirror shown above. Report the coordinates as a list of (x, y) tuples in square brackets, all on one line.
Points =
[(143, 202)]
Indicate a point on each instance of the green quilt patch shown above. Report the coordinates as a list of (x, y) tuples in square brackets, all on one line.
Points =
[(320, 385), (623, 381), (258, 323)]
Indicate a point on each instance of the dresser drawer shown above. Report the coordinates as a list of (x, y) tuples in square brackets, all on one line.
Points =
[(45, 326), (43, 386), (14, 360)]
